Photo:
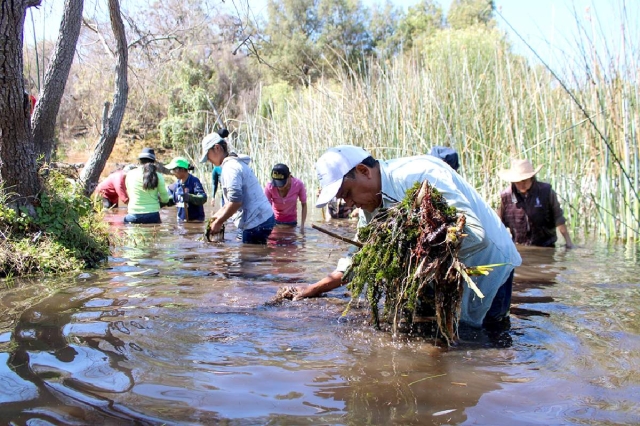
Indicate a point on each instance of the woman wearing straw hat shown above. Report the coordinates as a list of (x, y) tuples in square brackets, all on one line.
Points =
[(530, 208), (146, 190)]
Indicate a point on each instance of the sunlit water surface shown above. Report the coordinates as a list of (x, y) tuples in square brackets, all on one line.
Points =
[(176, 331)]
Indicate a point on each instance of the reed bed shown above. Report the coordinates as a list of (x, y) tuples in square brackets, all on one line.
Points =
[(470, 92)]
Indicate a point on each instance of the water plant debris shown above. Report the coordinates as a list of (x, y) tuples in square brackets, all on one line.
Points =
[(409, 259)]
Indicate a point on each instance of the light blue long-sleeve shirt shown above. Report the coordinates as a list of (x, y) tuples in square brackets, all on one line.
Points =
[(240, 185), (488, 241)]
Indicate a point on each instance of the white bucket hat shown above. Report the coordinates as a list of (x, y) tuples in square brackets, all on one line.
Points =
[(332, 166), (520, 170)]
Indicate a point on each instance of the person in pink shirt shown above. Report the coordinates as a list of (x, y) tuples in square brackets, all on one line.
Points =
[(112, 188), (283, 193)]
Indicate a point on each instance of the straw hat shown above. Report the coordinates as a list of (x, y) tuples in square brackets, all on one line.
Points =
[(520, 170)]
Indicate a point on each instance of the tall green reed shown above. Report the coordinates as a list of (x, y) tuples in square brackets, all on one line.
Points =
[(469, 91)]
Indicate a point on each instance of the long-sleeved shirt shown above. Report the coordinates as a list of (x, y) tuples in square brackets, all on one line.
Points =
[(240, 185), (197, 198), (487, 241), (113, 188), (141, 200), (286, 208)]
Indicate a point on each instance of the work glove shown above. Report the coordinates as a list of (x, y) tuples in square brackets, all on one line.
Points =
[(185, 197)]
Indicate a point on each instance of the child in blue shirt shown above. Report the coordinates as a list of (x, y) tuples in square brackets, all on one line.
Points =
[(187, 192)]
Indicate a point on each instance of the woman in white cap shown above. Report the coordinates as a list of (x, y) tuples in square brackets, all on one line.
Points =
[(530, 208), (146, 189), (244, 199)]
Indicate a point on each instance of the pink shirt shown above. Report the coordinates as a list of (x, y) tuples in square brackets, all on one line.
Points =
[(113, 188), (285, 208)]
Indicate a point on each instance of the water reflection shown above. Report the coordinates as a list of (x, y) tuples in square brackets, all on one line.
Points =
[(176, 331)]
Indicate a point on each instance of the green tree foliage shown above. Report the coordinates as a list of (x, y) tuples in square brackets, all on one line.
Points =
[(289, 43), (202, 93), (421, 22), (305, 39), (383, 28), (466, 13), (188, 105), (344, 37)]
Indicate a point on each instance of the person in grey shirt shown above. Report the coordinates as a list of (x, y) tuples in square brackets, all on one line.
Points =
[(244, 199)]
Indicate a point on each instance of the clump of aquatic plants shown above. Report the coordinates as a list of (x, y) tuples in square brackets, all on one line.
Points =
[(62, 233), (409, 258)]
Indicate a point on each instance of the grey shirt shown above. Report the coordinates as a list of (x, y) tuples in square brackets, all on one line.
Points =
[(240, 185)]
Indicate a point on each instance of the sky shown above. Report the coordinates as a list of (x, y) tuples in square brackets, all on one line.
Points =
[(549, 26)]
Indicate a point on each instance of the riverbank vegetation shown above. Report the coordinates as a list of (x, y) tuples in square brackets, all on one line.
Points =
[(65, 233), (296, 82)]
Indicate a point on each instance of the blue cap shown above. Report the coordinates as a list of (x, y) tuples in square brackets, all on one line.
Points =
[(446, 154)]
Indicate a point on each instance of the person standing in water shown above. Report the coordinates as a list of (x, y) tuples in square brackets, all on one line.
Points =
[(187, 192), (283, 192), (446, 154), (146, 189), (530, 208), (244, 199)]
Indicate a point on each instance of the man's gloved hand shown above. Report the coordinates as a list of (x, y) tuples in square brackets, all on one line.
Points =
[(185, 197)]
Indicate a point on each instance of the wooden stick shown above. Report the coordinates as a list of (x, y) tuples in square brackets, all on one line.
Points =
[(339, 237)]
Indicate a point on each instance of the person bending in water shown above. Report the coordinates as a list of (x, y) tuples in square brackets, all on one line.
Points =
[(351, 173), (244, 199)]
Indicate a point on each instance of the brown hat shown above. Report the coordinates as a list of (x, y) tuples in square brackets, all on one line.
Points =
[(520, 170)]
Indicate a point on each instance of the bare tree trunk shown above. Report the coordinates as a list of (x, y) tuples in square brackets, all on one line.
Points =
[(18, 168), (55, 80), (110, 124)]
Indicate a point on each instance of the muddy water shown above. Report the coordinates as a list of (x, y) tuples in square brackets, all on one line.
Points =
[(175, 331)]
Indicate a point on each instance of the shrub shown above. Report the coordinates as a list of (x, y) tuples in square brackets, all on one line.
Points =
[(65, 234)]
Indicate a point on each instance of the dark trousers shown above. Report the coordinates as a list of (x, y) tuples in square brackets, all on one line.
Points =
[(260, 233), (499, 310), (143, 218)]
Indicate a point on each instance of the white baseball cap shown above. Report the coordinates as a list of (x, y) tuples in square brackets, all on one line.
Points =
[(333, 165), (207, 143)]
